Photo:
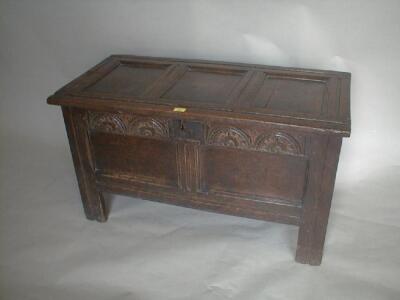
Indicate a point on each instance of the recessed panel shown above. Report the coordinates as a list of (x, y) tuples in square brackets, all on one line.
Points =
[(202, 85), (295, 95), (128, 79), (254, 174), (141, 159)]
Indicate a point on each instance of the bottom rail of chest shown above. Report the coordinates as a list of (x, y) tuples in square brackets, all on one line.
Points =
[(226, 204)]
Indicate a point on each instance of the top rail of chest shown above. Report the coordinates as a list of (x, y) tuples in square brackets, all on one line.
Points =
[(314, 99)]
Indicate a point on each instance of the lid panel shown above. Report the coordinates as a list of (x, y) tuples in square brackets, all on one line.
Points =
[(127, 79), (299, 97), (292, 95), (204, 85)]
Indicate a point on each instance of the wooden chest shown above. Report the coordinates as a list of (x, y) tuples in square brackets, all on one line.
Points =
[(247, 140)]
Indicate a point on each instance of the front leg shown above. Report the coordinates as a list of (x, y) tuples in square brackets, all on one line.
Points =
[(324, 155), (77, 131)]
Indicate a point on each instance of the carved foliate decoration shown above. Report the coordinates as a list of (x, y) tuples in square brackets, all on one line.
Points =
[(273, 142), (278, 142), (228, 136), (148, 127), (105, 122), (127, 124)]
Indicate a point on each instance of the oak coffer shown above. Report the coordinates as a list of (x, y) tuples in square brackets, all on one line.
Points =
[(247, 140)]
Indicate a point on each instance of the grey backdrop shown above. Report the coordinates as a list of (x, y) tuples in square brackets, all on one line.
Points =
[(153, 251)]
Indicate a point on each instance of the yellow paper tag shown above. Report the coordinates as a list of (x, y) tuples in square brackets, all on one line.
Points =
[(179, 109)]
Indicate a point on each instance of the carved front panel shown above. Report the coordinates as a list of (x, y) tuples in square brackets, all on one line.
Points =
[(278, 142), (142, 150), (128, 124), (229, 137), (106, 122), (271, 140), (239, 161), (147, 127), (133, 148), (259, 163)]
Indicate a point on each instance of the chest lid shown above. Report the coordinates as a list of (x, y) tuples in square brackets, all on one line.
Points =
[(299, 97)]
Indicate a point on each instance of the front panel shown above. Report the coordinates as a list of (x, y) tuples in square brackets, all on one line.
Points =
[(135, 149), (139, 159), (254, 175), (261, 163), (256, 163)]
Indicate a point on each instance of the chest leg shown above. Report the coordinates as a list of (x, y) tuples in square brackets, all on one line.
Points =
[(324, 156), (92, 199)]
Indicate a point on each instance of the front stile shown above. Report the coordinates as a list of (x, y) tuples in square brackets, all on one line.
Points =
[(323, 152), (77, 131)]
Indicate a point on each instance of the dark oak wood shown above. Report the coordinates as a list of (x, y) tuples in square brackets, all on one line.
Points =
[(93, 201), (247, 140)]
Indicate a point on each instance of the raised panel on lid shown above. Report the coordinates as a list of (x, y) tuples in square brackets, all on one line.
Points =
[(128, 79), (295, 95), (204, 85)]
